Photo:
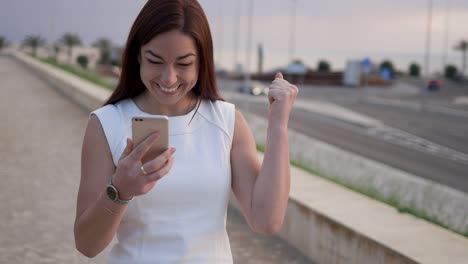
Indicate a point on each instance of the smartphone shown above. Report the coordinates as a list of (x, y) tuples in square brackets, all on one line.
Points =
[(142, 127)]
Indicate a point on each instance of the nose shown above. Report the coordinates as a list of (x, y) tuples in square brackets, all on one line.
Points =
[(168, 76)]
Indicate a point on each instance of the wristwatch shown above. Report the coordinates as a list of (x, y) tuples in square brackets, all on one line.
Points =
[(113, 193)]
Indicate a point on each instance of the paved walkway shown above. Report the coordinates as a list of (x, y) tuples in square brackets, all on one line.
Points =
[(40, 148)]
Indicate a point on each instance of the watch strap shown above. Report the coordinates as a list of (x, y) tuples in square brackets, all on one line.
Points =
[(117, 193)]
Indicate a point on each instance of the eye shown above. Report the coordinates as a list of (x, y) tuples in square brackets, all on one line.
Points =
[(184, 64), (154, 62)]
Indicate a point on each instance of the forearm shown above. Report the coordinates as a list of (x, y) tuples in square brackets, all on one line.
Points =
[(271, 189), (96, 226)]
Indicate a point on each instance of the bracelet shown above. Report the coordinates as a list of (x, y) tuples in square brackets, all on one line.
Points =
[(110, 211)]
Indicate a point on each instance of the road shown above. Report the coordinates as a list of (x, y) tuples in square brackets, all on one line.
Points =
[(420, 143), (448, 91), (40, 148)]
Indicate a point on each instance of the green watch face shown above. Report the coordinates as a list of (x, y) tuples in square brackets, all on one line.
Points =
[(111, 192)]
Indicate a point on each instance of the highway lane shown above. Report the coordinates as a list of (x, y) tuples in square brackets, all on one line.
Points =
[(450, 131), (446, 131), (448, 89)]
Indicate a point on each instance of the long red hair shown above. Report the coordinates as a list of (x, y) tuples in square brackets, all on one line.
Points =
[(159, 16)]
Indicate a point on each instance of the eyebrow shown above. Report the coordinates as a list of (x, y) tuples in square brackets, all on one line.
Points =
[(160, 57)]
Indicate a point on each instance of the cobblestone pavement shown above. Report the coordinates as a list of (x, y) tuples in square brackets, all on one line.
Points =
[(40, 146)]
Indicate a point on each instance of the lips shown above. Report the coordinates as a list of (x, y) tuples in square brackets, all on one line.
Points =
[(168, 90)]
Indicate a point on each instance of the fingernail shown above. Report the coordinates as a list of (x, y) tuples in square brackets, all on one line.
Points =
[(173, 150)]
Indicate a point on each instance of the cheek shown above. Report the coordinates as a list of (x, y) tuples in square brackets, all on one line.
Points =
[(147, 73), (194, 76), (189, 76)]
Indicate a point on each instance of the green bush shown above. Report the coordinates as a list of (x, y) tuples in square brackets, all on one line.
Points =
[(323, 66), (389, 65), (83, 61), (450, 71), (85, 74), (414, 70), (3, 42)]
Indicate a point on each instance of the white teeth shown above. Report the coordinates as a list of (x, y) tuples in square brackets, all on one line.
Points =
[(167, 90)]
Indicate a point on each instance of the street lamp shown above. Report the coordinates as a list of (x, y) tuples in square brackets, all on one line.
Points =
[(446, 35), (426, 57), (293, 31), (52, 29), (220, 33), (236, 33), (249, 44)]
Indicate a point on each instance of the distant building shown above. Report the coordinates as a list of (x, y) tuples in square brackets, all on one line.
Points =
[(60, 52), (352, 73), (296, 71)]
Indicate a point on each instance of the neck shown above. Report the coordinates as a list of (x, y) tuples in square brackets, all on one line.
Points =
[(149, 105)]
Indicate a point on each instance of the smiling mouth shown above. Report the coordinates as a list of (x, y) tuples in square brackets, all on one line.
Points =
[(168, 90)]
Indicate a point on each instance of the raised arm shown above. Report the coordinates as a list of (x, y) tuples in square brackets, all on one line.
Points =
[(263, 190)]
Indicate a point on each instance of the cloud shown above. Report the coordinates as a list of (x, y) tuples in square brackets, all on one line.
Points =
[(324, 29)]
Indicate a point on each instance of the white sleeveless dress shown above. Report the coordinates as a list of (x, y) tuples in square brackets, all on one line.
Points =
[(183, 218)]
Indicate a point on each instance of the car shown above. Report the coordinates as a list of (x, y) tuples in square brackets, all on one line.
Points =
[(433, 85), (253, 88)]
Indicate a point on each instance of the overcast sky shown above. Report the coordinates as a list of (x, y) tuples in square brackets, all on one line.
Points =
[(335, 30)]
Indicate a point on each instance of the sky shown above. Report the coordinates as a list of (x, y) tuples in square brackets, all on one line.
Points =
[(334, 30)]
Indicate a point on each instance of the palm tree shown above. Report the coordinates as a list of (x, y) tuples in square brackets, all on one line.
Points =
[(56, 49), (3, 42), (463, 47), (70, 40), (33, 41), (104, 45)]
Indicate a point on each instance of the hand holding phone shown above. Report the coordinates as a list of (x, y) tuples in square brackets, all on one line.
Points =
[(142, 127)]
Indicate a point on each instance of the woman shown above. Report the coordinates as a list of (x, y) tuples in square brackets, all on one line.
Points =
[(172, 209)]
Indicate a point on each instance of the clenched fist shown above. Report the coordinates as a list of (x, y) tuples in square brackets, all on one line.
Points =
[(281, 96)]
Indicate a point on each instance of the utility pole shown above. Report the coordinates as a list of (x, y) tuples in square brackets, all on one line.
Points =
[(426, 57), (236, 34), (260, 58), (51, 41), (446, 35), (220, 33), (292, 40), (249, 44)]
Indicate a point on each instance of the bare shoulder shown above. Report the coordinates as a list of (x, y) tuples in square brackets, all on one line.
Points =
[(95, 139), (96, 150), (242, 130), (244, 159), (96, 164), (94, 126)]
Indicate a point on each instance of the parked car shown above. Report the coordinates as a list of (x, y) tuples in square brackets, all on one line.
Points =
[(253, 88), (433, 85)]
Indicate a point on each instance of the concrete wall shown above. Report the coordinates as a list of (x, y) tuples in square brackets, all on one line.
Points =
[(325, 240), (82, 92), (447, 205)]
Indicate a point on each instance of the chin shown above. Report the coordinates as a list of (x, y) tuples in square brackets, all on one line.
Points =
[(168, 101)]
